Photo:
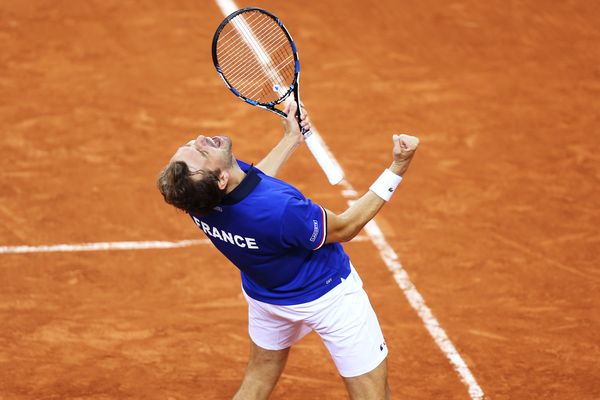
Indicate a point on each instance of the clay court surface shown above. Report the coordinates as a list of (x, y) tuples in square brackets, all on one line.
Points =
[(496, 222)]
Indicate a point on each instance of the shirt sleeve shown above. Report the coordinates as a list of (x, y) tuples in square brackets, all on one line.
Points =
[(304, 224)]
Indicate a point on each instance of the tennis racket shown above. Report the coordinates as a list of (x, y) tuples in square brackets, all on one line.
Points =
[(257, 59)]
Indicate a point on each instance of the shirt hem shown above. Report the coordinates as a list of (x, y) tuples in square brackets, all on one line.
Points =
[(305, 298)]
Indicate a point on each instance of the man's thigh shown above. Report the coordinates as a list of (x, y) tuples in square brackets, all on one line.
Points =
[(263, 372), (271, 327), (350, 330), (370, 386)]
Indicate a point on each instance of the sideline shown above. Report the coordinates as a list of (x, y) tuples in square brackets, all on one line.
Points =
[(390, 258)]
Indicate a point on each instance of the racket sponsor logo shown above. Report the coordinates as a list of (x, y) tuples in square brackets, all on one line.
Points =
[(228, 237)]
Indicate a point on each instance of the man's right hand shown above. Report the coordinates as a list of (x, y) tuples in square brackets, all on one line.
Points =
[(404, 149), (290, 124)]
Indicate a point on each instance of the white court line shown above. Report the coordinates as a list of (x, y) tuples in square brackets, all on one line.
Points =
[(390, 258), (101, 246), (105, 246)]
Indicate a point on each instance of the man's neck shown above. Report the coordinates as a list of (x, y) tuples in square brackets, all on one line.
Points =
[(236, 175)]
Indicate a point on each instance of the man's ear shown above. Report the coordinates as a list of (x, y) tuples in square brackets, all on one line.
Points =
[(223, 180)]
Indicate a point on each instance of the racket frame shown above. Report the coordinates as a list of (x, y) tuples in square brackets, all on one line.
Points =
[(331, 168), (294, 87)]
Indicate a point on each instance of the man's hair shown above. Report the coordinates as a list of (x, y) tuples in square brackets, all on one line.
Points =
[(197, 197)]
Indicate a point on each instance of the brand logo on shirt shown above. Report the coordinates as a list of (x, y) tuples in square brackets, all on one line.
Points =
[(315, 230), (237, 240)]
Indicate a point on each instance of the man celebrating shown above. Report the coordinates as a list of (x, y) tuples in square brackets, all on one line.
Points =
[(296, 276)]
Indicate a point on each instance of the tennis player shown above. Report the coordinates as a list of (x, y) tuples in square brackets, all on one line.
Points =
[(295, 275)]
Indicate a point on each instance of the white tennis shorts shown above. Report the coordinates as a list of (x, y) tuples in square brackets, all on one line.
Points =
[(343, 317)]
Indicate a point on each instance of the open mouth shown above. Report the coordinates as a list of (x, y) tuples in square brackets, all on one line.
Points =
[(217, 141)]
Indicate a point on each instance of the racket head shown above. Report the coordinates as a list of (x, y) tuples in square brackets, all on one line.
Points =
[(256, 57)]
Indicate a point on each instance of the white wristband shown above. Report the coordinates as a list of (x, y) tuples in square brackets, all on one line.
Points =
[(386, 184)]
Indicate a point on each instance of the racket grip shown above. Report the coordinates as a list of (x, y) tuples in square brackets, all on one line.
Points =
[(326, 162)]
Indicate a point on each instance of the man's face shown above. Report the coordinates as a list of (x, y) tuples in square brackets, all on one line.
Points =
[(205, 154)]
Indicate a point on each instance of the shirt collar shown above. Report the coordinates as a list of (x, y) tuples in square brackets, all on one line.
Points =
[(241, 191)]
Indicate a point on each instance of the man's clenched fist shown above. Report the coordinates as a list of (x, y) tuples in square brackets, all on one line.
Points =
[(404, 149)]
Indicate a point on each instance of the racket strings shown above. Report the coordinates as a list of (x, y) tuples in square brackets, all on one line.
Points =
[(261, 51), (240, 46), (270, 48), (263, 31), (252, 34), (278, 79), (256, 58), (238, 65), (250, 74), (228, 34)]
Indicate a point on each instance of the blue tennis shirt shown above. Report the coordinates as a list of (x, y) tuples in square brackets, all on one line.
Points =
[(276, 237)]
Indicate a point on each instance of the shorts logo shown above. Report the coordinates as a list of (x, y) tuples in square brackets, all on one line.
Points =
[(315, 230)]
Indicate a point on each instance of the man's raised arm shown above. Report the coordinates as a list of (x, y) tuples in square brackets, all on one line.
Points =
[(292, 137), (343, 227)]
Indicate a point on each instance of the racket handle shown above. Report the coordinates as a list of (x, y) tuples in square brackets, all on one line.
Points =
[(326, 162)]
